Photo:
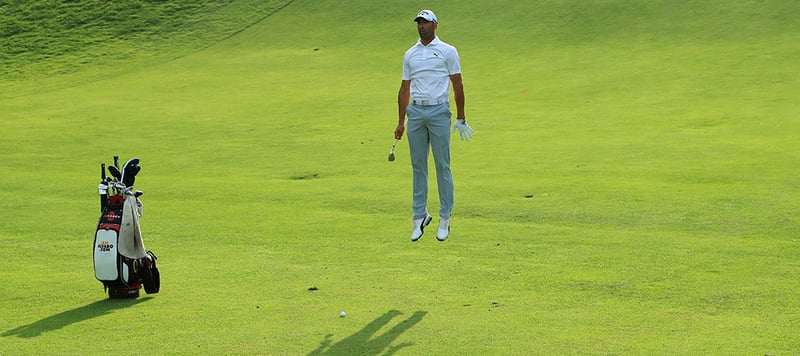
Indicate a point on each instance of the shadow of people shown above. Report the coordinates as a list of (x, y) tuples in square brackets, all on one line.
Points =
[(363, 342), (63, 319)]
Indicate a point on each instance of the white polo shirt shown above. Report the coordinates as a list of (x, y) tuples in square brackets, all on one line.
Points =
[(429, 69)]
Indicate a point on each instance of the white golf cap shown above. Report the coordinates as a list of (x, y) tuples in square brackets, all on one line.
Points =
[(428, 15)]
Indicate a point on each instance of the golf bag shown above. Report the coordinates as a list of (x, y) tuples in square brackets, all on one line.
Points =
[(121, 261)]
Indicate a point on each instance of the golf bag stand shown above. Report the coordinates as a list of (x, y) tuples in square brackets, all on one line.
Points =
[(121, 261)]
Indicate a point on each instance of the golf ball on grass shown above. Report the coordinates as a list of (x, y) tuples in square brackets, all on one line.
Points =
[(342, 314)]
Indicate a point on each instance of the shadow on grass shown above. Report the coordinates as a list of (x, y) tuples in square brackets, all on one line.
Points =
[(73, 316), (363, 342)]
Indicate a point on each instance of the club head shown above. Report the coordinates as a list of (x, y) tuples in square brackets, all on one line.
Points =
[(115, 172), (129, 172), (391, 151)]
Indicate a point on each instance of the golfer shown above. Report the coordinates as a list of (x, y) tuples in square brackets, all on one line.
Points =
[(429, 67)]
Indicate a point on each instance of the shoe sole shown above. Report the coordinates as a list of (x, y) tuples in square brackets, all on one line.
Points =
[(422, 226)]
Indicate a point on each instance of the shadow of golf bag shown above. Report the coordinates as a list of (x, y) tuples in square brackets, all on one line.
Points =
[(121, 261)]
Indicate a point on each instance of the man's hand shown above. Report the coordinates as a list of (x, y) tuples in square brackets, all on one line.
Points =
[(398, 132), (463, 129)]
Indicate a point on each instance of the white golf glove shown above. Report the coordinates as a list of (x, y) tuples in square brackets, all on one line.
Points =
[(102, 188), (463, 129)]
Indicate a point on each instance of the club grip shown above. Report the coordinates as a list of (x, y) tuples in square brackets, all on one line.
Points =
[(103, 197)]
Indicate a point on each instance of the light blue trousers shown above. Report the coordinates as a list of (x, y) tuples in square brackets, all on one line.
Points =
[(428, 127)]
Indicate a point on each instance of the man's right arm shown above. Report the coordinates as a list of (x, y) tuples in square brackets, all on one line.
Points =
[(403, 98)]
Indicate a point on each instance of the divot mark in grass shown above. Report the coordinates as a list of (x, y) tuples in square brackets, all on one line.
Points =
[(305, 176)]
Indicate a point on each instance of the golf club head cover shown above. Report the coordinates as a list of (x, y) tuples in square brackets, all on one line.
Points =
[(115, 172), (129, 172)]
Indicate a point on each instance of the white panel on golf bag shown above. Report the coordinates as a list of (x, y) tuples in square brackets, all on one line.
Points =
[(126, 273), (105, 255)]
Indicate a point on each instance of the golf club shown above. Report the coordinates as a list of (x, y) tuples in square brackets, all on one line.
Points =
[(391, 152), (115, 172), (103, 197)]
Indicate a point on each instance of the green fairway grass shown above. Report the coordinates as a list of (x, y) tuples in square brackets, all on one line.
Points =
[(632, 186)]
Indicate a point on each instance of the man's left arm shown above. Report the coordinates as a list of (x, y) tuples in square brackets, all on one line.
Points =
[(458, 92), (461, 121)]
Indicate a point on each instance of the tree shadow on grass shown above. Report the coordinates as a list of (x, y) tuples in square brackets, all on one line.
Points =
[(64, 319), (363, 342)]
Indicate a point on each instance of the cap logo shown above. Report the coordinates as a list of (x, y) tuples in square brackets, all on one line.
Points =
[(427, 15)]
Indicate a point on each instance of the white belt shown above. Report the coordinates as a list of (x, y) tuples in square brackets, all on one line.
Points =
[(420, 102)]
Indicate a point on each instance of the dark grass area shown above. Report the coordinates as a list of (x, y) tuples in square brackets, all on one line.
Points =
[(48, 37)]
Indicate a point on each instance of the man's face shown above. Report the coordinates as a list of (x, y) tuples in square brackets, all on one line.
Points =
[(426, 29)]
